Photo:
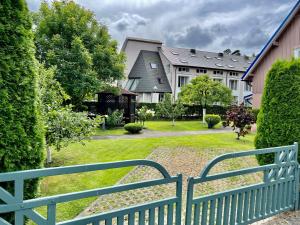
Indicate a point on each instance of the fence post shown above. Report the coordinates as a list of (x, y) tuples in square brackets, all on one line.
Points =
[(179, 199), (189, 199), (296, 177)]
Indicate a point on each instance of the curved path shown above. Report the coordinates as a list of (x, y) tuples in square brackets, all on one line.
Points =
[(154, 134)]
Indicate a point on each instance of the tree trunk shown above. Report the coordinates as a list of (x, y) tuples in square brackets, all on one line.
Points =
[(49, 155), (173, 122), (203, 115)]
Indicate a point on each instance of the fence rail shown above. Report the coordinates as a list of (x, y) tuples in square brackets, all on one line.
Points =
[(278, 191)]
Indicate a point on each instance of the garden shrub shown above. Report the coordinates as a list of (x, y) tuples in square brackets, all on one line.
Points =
[(133, 128), (212, 120), (239, 117), (21, 132), (279, 117), (114, 119)]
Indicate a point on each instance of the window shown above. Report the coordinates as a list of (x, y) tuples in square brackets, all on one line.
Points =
[(132, 84), (297, 52), (201, 70), (233, 84), (160, 80), (233, 74), (160, 97), (147, 97), (153, 65), (184, 69), (218, 80), (182, 81), (183, 61), (220, 72), (248, 86)]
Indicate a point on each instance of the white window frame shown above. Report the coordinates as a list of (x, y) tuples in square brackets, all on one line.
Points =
[(235, 81), (153, 65), (179, 82)]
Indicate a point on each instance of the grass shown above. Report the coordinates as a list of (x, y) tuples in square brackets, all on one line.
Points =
[(111, 150), (161, 126)]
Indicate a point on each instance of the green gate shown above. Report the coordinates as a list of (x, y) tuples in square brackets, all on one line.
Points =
[(278, 191), (165, 210)]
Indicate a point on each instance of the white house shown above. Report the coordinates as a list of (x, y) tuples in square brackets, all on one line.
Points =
[(153, 69)]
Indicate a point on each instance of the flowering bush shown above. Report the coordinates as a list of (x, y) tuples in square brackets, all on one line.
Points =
[(145, 114)]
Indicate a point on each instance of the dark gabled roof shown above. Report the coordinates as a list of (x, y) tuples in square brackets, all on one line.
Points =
[(273, 38), (212, 60), (148, 77)]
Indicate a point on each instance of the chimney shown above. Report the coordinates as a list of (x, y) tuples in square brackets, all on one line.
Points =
[(193, 51)]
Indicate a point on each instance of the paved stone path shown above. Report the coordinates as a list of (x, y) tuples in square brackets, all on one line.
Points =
[(188, 162), (154, 134)]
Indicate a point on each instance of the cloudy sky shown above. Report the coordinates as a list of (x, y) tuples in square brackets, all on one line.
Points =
[(212, 25)]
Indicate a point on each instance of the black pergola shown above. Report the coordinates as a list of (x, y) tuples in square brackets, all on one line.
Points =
[(126, 101)]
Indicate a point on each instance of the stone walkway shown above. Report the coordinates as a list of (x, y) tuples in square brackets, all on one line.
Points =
[(188, 162), (154, 134)]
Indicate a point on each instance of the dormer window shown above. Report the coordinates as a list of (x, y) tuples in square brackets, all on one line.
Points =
[(183, 61), (153, 65), (174, 53)]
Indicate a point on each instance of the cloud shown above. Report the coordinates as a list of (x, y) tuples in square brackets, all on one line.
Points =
[(212, 25), (193, 36), (128, 21)]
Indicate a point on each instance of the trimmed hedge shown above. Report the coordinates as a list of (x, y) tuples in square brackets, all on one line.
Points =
[(279, 117), (212, 120), (21, 138), (133, 128), (192, 111)]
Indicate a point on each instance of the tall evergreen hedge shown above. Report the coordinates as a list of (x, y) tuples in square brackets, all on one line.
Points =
[(21, 136), (279, 116)]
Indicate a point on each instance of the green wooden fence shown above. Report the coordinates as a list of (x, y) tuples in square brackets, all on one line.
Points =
[(277, 192)]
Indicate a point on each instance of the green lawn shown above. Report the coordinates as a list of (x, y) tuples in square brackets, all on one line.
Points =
[(160, 126), (124, 149)]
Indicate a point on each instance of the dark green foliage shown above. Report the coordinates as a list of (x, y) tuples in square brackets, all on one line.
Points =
[(69, 37), (255, 113), (212, 120), (21, 135), (133, 128), (279, 116)]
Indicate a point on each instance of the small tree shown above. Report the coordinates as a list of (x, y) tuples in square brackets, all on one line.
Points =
[(278, 121), (238, 117), (62, 125), (204, 91), (145, 114), (170, 110)]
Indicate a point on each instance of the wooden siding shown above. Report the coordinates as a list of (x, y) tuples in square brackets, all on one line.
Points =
[(288, 40)]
